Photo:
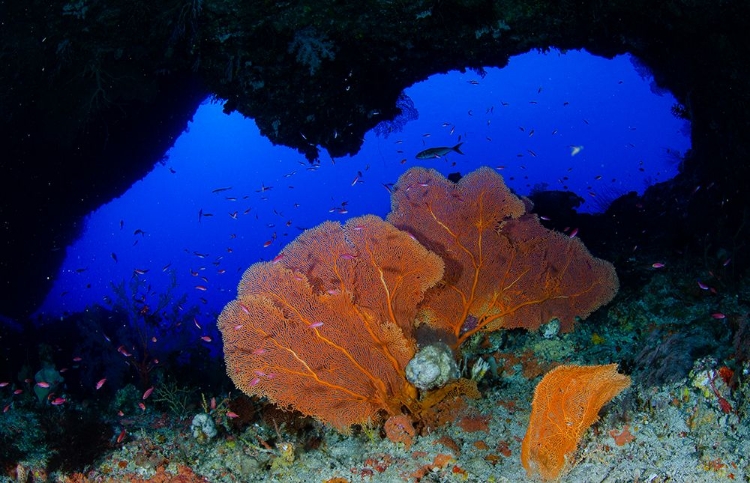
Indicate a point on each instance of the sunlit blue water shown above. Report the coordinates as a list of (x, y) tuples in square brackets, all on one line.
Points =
[(225, 192)]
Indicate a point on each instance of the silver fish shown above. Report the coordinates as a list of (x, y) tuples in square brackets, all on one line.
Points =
[(438, 152)]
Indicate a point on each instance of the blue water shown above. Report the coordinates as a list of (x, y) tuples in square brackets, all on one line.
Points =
[(523, 120)]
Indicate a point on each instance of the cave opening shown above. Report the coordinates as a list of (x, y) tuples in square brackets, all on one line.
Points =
[(224, 197)]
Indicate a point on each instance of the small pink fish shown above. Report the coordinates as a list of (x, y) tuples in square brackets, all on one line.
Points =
[(17, 392), (120, 413), (277, 258), (147, 393), (657, 265), (244, 308), (726, 262), (719, 316), (43, 384), (195, 321), (702, 285), (58, 401), (238, 327), (574, 232), (121, 436), (347, 256), (315, 325), (213, 403), (4, 383), (259, 352), (77, 359), (202, 288), (254, 381), (206, 338), (142, 406), (232, 415), (100, 383)]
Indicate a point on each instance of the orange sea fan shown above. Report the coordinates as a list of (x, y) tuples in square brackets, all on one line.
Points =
[(327, 329), (503, 269), (566, 403)]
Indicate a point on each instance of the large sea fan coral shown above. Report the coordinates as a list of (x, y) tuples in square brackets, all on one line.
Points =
[(327, 329), (503, 269)]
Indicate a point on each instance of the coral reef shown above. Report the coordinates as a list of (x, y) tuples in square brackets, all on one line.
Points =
[(328, 327), (399, 429), (669, 426), (203, 427)]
